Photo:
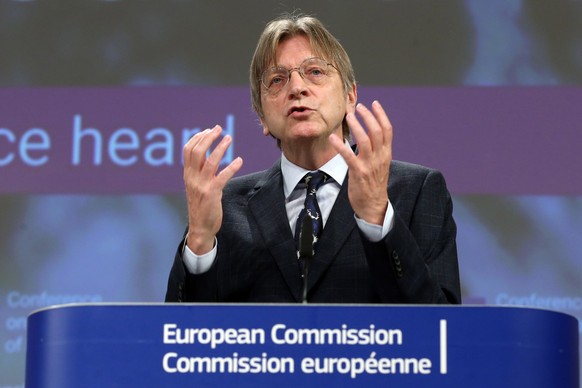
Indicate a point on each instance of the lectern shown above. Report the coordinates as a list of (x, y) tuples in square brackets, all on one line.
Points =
[(242, 345)]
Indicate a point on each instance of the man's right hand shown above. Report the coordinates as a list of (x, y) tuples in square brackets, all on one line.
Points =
[(204, 187)]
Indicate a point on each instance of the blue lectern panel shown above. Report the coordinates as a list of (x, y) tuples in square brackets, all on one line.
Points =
[(300, 345)]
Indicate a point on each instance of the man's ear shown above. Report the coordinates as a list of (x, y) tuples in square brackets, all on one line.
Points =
[(351, 99), (266, 131)]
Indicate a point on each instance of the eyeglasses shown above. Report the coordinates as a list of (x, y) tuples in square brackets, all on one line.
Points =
[(314, 70)]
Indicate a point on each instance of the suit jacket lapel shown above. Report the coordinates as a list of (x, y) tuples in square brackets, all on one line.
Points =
[(338, 227), (267, 205)]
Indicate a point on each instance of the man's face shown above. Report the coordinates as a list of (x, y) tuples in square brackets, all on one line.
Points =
[(303, 112)]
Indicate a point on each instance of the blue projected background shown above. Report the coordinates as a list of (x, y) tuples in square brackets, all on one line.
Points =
[(71, 235)]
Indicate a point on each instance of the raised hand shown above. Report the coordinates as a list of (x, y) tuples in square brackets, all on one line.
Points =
[(204, 186), (368, 170)]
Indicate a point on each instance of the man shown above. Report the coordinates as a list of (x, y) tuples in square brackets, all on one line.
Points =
[(387, 234)]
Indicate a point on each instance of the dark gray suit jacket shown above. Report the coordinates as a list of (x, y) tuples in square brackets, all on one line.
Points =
[(257, 261)]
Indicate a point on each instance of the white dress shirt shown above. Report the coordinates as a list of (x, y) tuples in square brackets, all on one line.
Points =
[(294, 192)]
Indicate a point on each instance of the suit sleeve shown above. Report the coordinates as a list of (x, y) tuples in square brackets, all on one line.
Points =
[(186, 287), (418, 260)]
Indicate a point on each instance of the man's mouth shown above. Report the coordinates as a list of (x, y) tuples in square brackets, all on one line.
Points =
[(297, 109)]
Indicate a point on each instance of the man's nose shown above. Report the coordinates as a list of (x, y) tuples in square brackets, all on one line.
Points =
[(297, 83)]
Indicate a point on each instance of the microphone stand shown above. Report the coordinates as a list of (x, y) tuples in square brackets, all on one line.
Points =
[(306, 250)]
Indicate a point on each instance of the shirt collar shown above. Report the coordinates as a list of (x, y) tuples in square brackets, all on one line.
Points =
[(336, 168)]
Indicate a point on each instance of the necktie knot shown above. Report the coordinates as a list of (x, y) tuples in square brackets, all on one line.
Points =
[(314, 180)]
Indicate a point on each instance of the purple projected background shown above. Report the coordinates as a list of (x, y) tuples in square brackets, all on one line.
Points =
[(128, 140), (96, 99)]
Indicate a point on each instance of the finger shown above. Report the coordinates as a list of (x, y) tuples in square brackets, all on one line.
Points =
[(384, 121), (213, 160), (374, 129), (343, 149), (362, 139), (229, 171), (190, 144), (199, 151)]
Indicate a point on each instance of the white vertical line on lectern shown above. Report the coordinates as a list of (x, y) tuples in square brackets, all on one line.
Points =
[(443, 327)]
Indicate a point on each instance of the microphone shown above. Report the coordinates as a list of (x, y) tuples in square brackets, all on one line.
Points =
[(306, 250)]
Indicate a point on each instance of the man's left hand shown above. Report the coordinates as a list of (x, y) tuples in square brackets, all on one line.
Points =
[(369, 169)]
